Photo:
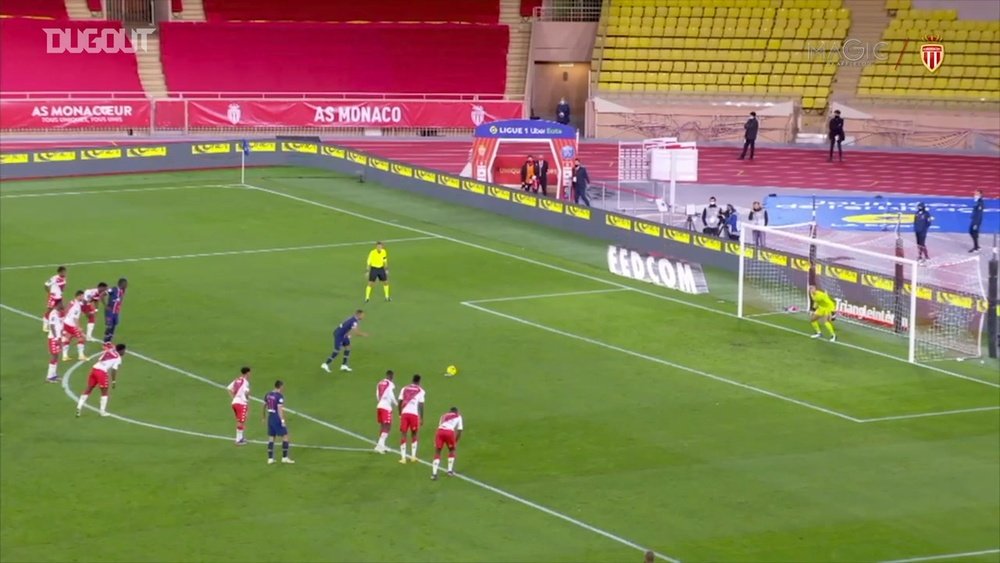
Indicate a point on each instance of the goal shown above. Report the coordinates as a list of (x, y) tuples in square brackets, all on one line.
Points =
[(919, 311)]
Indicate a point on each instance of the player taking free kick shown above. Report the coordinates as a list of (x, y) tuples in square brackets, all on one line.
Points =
[(823, 309), (449, 432), (239, 390), (108, 364), (385, 397), (54, 327), (378, 270), (342, 339), (274, 409), (411, 412)]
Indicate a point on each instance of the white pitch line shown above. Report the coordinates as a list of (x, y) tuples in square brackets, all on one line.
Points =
[(601, 280), (667, 363), (346, 432), (213, 254), (545, 296), (945, 556), (930, 414), (121, 191), (74, 397)]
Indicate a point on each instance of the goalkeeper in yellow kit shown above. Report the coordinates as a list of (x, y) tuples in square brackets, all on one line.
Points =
[(823, 308)]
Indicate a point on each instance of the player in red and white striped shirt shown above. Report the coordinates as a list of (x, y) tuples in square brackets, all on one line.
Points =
[(239, 390), (71, 330), (448, 433), (411, 411), (54, 286), (385, 398), (91, 299), (108, 364), (54, 328)]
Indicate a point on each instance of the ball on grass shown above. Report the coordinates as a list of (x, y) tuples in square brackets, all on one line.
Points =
[(450, 371)]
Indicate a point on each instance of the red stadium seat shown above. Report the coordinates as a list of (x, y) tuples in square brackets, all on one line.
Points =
[(95, 6), (176, 6), (334, 58), (472, 11), (26, 67), (55, 9), (528, 7)]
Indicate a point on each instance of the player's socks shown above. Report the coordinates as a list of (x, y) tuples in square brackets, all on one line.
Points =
[(435, 465), (104, 404), (90, 331), (368, 293), (451, 463), (270, 452), (52, 371), (402, 452), (81, 402), (815, 325), (239, 435), (347, 356), (385, 290), (381, 440), (79, 351), (829, 328), (413, 450), (284, 448)]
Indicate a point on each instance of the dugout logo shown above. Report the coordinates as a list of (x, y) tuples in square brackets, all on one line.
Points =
[(234, 113)]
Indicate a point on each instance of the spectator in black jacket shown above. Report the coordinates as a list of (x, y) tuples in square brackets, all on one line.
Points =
[(562, 112), (976, 220), (711, 218), (921, 225), (579, 182), (836, 134), (750, 135), (542, 170), (758, 216)]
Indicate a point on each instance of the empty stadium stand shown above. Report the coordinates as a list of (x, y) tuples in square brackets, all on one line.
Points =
[(470, 11), (969, 71), (26, 67), (55, 9), (334, 58), (744, 47)]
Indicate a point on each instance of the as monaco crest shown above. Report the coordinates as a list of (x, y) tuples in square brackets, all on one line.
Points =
[(932, 53), (234, 113), (478, 115)]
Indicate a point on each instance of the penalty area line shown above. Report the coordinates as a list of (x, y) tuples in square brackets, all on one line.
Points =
[(118, 191), (946, 556), (511, 496), (212, 254), (74, 397)]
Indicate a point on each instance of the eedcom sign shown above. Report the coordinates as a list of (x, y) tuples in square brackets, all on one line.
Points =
[(657, 270)]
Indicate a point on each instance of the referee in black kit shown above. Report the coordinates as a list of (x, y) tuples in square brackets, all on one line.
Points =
[(836, 134)]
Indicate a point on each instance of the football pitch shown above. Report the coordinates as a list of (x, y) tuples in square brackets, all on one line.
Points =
[(603, 416)]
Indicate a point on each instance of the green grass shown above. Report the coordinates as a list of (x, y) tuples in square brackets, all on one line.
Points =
[(656, 417)]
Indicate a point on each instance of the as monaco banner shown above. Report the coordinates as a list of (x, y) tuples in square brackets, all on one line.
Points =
[(345, 113), (74, 114)]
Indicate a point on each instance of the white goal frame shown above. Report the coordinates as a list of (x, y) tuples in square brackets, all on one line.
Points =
[(749, 252)]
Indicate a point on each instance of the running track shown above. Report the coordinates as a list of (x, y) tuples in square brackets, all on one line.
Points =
[(876, 172)]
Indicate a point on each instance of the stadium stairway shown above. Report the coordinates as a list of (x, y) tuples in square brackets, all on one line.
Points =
[(79, 10), (517, 51), (868, 21), (151, 75), (194, 11)]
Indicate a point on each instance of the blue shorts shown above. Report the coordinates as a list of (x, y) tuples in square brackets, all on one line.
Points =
[(340, 341), (275, 427)]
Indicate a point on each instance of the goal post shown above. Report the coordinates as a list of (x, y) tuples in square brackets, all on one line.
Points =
[(933, 311)]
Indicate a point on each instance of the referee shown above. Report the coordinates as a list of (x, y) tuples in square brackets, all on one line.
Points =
[(378, 270)]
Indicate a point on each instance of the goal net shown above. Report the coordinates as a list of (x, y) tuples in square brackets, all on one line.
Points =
[(921, 311)]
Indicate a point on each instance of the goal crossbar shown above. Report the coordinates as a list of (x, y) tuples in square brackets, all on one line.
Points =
[(748, 227)]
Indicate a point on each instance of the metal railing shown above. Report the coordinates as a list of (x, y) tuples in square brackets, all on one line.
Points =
[(577, 12), (132, 13)]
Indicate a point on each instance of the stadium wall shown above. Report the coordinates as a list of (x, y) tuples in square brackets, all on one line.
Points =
[(595, 223)]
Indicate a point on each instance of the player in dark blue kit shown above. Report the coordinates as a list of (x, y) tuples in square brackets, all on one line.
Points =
[(113, 309), (274, 411), (342, 339)]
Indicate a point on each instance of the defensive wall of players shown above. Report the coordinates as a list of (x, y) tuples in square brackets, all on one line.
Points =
[(625, 231)]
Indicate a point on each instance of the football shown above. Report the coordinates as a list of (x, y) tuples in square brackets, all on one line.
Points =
[(450, 371)]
